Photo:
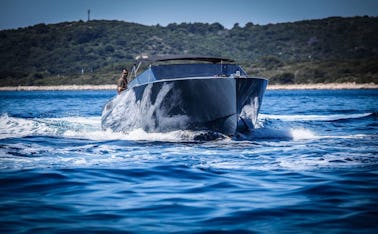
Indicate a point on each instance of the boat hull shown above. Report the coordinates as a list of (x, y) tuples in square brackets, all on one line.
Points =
[(225, 105)]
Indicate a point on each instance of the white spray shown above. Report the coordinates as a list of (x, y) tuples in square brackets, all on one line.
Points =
[(127, 114)]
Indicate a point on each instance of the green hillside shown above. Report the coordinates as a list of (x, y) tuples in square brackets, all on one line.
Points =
[(327, 50)]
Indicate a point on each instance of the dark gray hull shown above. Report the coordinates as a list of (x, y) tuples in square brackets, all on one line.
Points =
[(225, 105)]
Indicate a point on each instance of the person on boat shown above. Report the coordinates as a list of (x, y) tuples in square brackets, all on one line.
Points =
[(122, 81)]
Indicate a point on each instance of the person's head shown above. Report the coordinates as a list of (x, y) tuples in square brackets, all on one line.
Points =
[(125, 71)]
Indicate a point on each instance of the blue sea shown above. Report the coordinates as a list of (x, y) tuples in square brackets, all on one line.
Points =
[(311, 166)]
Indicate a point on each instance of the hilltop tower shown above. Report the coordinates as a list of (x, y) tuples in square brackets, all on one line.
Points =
[(89, 14)]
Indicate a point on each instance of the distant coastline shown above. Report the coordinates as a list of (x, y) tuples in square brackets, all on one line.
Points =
[(334, 49), (331, 86), (58, 87)]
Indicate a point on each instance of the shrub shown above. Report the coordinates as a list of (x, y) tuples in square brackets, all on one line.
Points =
[(283, 78)]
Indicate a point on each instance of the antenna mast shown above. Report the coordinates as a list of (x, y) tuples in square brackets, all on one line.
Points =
[(89, 13)]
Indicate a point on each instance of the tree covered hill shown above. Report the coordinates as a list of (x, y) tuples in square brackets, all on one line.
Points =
[(93, 52)]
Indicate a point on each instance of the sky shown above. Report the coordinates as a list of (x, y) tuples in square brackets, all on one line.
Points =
[(23, 13)]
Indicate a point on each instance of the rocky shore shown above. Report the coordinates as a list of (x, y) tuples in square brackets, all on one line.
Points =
[(331, 86)]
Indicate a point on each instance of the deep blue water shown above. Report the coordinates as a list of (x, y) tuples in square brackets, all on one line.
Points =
[(311, 167)]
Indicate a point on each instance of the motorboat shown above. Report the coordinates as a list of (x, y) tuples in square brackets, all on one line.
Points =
[(199, 93)]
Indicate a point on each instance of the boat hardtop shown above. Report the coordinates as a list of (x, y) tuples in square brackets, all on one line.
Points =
[(195, 67)]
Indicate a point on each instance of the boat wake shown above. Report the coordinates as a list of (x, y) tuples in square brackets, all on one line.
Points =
[(80, 141), (329, 118), (270, 127)]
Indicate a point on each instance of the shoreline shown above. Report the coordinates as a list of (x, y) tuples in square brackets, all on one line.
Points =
[(330, 86), (58, 87), (323, 86)]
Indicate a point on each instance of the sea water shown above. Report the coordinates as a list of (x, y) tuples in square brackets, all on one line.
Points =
[(311, 166)]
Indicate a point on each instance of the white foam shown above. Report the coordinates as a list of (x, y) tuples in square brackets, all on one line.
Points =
[(314, 117), (90, 128), (127, 114), (77, 120), (135, 135), (250, 111), (19, 127), (302, 134), (283, 133), (82, 128)]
